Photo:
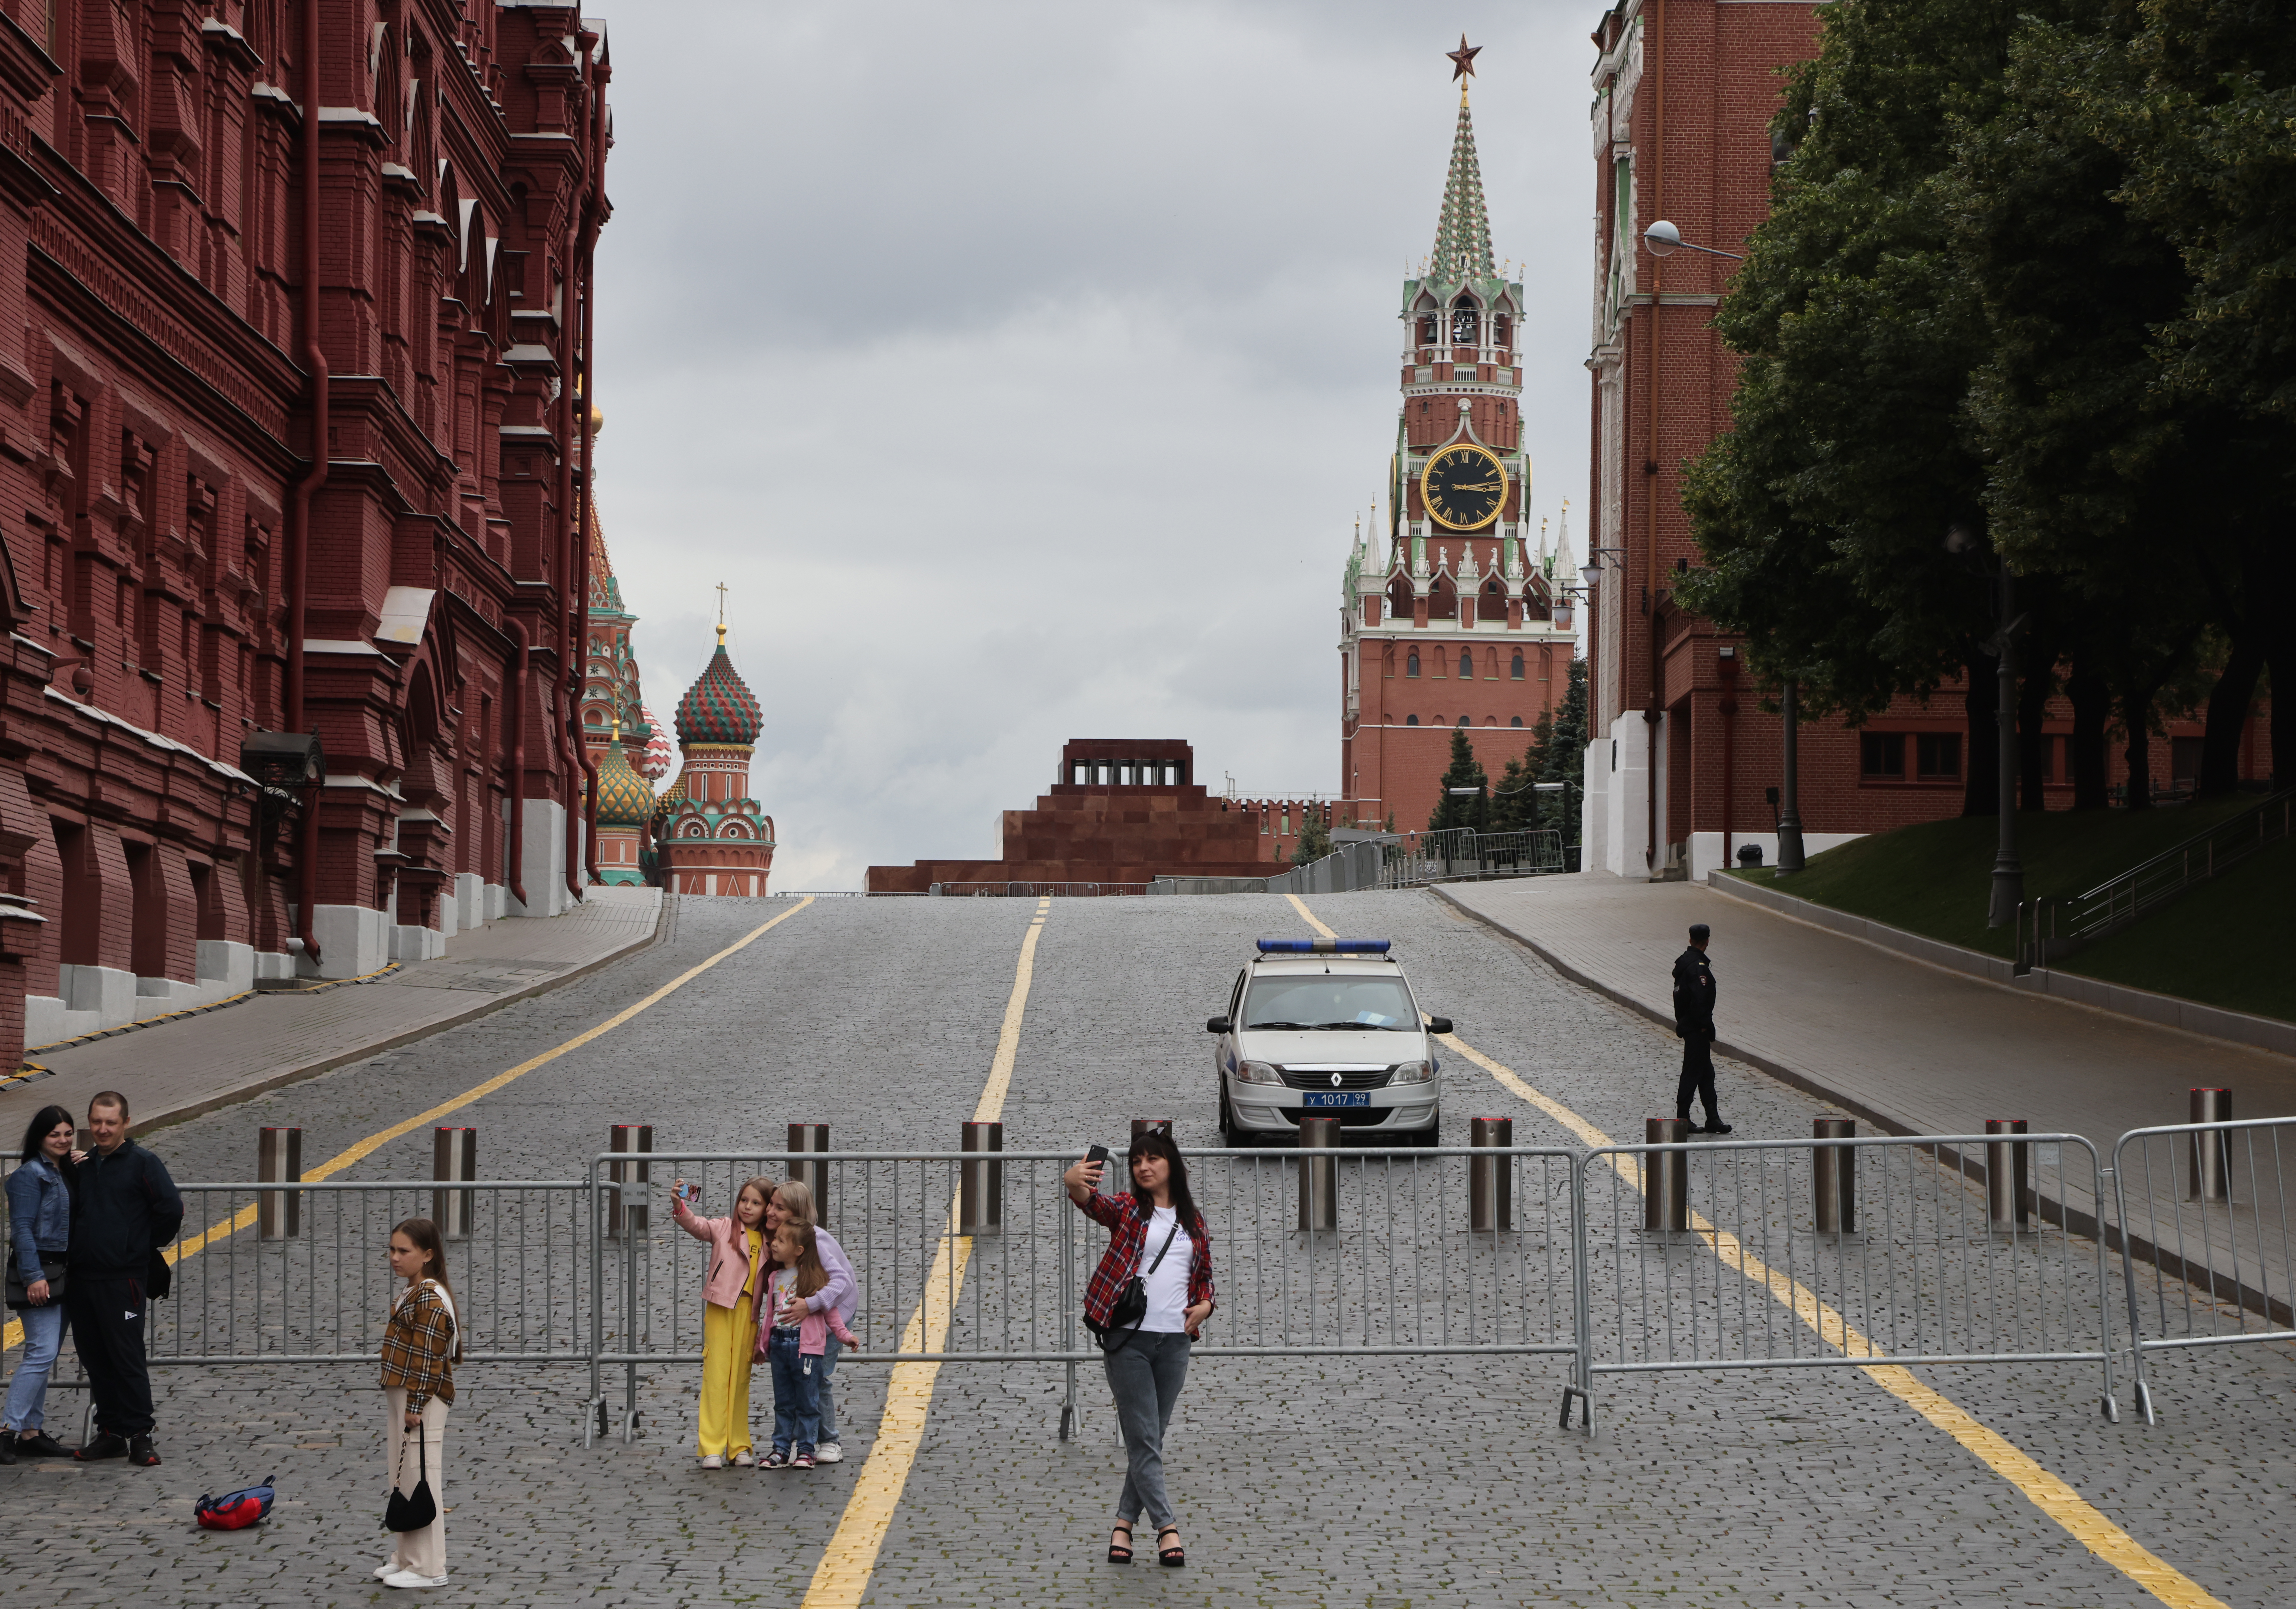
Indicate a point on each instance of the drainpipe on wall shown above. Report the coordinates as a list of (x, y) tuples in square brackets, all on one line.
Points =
[(1653, 713), (298, 507), (519, 692), (1729, 708), (586, 259)]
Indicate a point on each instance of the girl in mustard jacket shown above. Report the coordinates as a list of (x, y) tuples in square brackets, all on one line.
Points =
[(729, 1296)]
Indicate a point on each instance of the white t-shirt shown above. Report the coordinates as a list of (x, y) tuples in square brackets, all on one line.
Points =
[(1167, 1286)]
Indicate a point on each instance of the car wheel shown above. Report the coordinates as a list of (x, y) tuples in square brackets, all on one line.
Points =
[(1230, 1134)]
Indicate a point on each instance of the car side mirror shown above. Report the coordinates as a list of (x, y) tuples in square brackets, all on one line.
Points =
[(1439, 1025), (1217, 1025)]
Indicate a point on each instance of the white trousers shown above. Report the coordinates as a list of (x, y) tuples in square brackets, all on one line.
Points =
[(423, 1551)]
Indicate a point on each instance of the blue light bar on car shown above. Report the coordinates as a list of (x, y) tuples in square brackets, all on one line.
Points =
[(1323, 947)]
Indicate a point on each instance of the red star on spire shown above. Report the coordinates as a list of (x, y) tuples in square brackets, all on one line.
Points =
[(1463, 60)]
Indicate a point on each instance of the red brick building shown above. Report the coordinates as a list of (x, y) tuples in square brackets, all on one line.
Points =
[(1451, 619), (1680, 756), (294, 304)]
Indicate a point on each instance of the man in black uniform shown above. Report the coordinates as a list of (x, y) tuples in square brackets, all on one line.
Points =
[(1693, 1020), (123, 1209)]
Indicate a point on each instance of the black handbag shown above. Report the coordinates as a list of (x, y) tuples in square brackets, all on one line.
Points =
[(1130, 1307), (413, 1511), (20, 1296)]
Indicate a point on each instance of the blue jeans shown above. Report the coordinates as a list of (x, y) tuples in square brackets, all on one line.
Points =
[(43, 1337), (796, 1403), (828, 1367)]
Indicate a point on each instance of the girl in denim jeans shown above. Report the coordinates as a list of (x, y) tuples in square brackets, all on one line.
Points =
[(792, 1338), (39, 1225)]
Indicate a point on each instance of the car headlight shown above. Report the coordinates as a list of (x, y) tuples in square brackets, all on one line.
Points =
[(1257, 1072), (1413, 1072)]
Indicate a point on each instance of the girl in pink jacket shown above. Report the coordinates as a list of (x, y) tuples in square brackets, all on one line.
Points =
[(793, 1340), (730, 1291)]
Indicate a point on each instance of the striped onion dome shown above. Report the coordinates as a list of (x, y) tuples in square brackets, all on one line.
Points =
[(624, 800), (659, 754), (719, 708)]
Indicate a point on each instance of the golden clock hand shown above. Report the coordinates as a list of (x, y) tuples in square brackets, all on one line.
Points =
[(1486, 486)]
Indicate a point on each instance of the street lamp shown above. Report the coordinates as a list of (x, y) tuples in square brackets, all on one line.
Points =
[(2008, 868), (1664, 240)]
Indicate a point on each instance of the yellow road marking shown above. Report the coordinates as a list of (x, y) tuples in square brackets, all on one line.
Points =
[(841, 1579), (2080, 1519), (1307, 916), (216, 1234)]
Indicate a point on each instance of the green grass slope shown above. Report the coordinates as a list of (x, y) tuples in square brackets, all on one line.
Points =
[(1937, 878), (2223, 944)]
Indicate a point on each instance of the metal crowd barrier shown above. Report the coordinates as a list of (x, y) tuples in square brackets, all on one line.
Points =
[(1749, 1254), (2206, 1204)]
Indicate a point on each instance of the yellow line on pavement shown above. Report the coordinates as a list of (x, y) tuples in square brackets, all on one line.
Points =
[(2051, 1495), (216, 1234), (841, 1579)]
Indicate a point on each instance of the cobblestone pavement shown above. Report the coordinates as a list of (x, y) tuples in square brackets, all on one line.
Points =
[(1374, 1483)]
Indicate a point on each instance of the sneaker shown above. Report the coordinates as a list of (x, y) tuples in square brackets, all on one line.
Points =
[(387, 1569), (39, 1444), (775, 1459), (829, 1452), (142, 1453), (802, 1461), (407, 1578), (745, 1459), (105, 1446), (712, 1461)]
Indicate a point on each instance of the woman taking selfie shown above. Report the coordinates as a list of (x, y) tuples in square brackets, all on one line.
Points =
[(1147, 1301), (39, 1224)]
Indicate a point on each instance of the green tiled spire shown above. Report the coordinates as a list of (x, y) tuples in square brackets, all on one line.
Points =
[(1462, 234)]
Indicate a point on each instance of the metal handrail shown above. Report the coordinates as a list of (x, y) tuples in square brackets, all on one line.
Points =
[(2120, 900)]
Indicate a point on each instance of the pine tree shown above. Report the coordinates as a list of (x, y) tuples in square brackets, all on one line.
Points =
[(1466, 772), (1315, 838), (1565, 757)]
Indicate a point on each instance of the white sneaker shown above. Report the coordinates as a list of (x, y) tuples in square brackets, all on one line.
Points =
[(712, 1461), (407, 1578), (829, 1452), (386, 1569), (745, 1459)]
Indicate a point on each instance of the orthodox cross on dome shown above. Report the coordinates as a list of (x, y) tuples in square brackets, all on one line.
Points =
[(721, 614), (1462, 233)]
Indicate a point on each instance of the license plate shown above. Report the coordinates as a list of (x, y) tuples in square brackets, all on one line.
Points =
[(1313, 1100)]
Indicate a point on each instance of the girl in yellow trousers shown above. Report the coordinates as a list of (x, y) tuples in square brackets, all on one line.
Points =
[(729, 1296), (420, 1345)]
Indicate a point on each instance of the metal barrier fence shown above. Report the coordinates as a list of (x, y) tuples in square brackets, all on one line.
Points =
[(1831, 1251), (2207, 1205)]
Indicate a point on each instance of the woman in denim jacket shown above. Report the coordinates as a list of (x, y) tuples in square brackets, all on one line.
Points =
[(39, 1225)]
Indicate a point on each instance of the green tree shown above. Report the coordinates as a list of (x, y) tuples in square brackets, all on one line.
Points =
[(1465, 772), (1315, 838), (1566, 758)]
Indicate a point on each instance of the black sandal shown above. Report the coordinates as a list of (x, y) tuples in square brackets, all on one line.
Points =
[(1170, 1557), (1119, 1554)]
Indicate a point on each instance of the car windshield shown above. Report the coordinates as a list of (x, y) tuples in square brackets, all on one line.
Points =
[(1329, 1002)]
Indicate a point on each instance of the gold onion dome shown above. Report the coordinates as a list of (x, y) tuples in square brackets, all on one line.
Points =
[(719, 708), (624, 800)]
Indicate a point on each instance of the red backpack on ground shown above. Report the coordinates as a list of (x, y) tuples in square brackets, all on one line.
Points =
[(235, 1510)]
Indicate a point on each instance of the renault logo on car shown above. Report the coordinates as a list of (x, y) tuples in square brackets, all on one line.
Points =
[(1336, 1079)]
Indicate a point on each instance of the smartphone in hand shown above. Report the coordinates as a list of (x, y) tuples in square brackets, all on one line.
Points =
[(1099, 1155)]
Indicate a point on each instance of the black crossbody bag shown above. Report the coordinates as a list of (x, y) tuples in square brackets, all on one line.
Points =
[(1130, 1307)]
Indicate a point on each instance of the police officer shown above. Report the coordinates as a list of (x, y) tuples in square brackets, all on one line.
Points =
[(1693, 1020)]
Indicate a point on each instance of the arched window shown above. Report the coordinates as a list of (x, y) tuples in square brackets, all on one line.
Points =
[(1410, 720), (1517, 721), (1514, 671), (1466, 322), (1462, 720), (1398, 599), (1427, 331), (1411, 666), (1466, 665), (1499, 329)]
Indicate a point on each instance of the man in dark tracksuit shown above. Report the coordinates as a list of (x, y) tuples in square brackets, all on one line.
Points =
[(1693, 1020), (123, 1209)]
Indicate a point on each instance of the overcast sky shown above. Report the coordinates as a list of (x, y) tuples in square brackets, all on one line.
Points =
[(1022, 370)]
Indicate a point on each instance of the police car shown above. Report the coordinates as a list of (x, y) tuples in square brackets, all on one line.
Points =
[(1326, 1027)]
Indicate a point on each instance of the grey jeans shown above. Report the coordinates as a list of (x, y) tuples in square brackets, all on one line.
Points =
[(1144, 1375)]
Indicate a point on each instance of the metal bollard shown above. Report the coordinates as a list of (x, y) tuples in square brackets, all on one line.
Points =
[(1666, 1176), (2005, 1175), (453, 1157), (1833, 1175), (633, 1137), (813, 1176), (279, 1158), (1319, 1173), (1151, 1125), (2211, 1164), (1490, 1179), (981, 1185)]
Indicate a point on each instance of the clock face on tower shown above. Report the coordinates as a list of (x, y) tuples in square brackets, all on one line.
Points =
[(1464, 486)]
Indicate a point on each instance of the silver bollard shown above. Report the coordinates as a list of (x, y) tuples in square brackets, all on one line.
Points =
[(2005, 1175), (1490, 1179), (1833, 1175), (1319, 1173), (981, 1185), (2210, 1167), (1666, 1176), (813, 1176), (454, 1157), (629, 1138), (279, 1159)]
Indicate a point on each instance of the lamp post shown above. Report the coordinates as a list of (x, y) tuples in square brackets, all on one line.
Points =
[(2008, 866), (1790, 854), (1664, 240)]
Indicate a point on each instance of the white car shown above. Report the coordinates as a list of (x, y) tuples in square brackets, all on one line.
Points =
[(1326, 1027)]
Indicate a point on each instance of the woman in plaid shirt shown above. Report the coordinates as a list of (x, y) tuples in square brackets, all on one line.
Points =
[(420, 1345), (1156, 1233)]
